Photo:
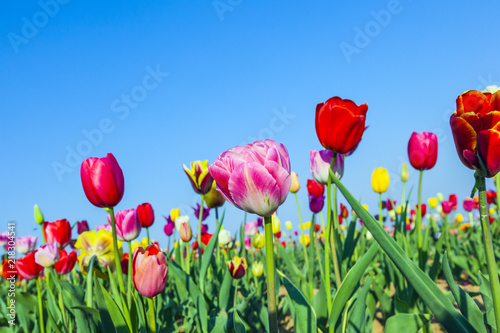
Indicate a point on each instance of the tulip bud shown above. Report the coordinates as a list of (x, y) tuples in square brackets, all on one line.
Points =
[(38, 215), (392, 215), (213, 198), (146, 215), (380, 180), (237, 267), (369, 236), (257, 269), (66, 262), (224, 237), (459, 218), (294, 188), (259, 241), (185, 232), (404, 173), (58, 231), (128, 226), (180, 220), (174, 214), (433, 202), (47, 255), (307, 240), (82, 226), (440, 197), (288, 225), (276, 224)]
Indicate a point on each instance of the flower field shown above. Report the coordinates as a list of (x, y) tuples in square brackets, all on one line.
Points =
[(335, 268)]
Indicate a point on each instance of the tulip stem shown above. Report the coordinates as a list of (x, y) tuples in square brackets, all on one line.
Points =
[(111, 212), (306, 257), (188, 259), (488, 246), (271, 283), (200, 244), (403, 198), (419, 212), (152, 315), (147, 233), (380, 209), (129, 275), (40, 305), (497, 182)]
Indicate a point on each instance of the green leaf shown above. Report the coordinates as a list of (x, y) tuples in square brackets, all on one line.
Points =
[(209, 252), (90, 273), (357, 319), (422, 284), (485, 290), (225, 291), (466, 304), (238, 325), (305, 317), (350, 284), (119, 325), (220, 323), (406, 322)]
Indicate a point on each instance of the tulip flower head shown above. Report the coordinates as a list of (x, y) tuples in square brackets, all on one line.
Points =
[(47, 255), (143, 243), (340, 124), (224, 237), (66, 262), (128, 226), (307, 240), (447, 206), (295, 186), (149, 270), (248, 243), (198, 175), (276, 224), (146, 215), (181, 219), (475, 128), (105, 226), (423, 150), (26, 244), (315, 188), (468, 204), (319, 165), (58, 231), (288, 225), (185, 233), (251, 228), (257, 269), (380, 180), (197, 210), (404, 173), (237, 267), (316, 204), (27, 267), (102, 180), (433, 202), (255, 177), (213, 198), (259, 241), (82, 226)]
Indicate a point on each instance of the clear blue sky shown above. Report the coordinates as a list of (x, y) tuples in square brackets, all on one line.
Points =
[(225, 73)]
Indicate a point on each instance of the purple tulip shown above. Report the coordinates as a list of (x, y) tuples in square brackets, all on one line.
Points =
[(26, 244), (204, 228), (260, 222), (128, 226), (82, 226), (206, 211), (47, 255), (316, 203), (4, 238), (169, 228), (255, 177), (320, 163)]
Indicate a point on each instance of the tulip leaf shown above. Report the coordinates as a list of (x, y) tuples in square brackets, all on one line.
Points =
[(225, 291), (305, 317), (357, 319), (238, 325), (114, 313), (406, 322), (350, 284), (485, 290), (430, 293), (466, 304), (209, 253), (53, 323), (90, 273)]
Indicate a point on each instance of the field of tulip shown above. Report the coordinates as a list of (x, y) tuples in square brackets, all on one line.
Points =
[(336, 268)]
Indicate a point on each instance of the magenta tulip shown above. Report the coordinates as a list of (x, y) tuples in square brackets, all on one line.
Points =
[(128, 226), (255, 177), (320, 164), (82, 226), (423, 150), (102, 180), (149, 270)]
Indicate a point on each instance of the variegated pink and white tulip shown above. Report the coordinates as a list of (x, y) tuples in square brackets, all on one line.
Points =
[(26, 244), (47, 255), (128, 226), (320, 165), (255, 177)]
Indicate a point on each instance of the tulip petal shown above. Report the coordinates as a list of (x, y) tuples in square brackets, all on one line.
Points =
[(282, 178), (85, 172), (473, 101), (219, 171), (489, 150), (85, 240), (491, 121), (107, 184), (150, 277), (254, 190), (464, 136)]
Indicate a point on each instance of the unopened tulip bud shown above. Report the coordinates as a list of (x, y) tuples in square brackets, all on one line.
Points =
[(404, 173), (257, 269), (38, 215), (440, 196), (459, 218), (294, 188), (433, 202), (259, 241), (174, 214), (288, 225), (213, 198), (237, 267), (380, 180), (307, 240), (185, 232)]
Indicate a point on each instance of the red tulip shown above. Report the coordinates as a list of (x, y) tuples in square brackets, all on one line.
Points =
[(423, 209), (205, 238), (314, 188), (146, 215), (149, 270), (102, 180), (340, 124), (66, 262), (454, 200), (124, 263), (423, 150), (476, 130), (491, 196), (7, 271), (27, 268), (58, 231)]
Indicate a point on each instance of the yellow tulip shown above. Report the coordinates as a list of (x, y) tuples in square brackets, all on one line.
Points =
[(380, 180), (404, 173), (144, 244), (295, 187), (259, 241), (464, 226), (306, 225), (459, 218), (257, 269), (365, 207), (288, 225), (276, 224), (493, 210), (307, 238), (433, 202), (174, 213)]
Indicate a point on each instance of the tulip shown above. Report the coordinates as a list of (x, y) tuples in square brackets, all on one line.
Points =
[(468, 204), (149, 271), (307, 238), (491, 196), (248, 243), (27, 267), (255, 177), (380, 180), (82, 226), (105, 226), (288, 225), (143, 243), (440, 197), (8, 270), (464, 226), (475, 128), (340, 124), (26, 244), (185, 233), (174, 214), (447, 206), (295, 186), (237, 267), (314, 188), (257, 269), (276, 224), (204, 228), (128, 226), (454, 200), (181, 219), (145, 214), (319, 165), (47, 255), (345, 212), (224, 237), (205, 238), (58, 231), (390, 204), (66, 262), (260, 222), (404, 173), (423, 150), (199, 176), (259, 241), (251, 228), (213, 198), (38, 215), (433, 202), (124, 263), (102, 180), (459, 218), (197, 212), (316, 203)]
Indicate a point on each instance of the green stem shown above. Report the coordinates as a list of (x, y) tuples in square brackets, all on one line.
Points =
[(129, 275), (111, 212), (380, 209), (152, 315), (188, 259), (147, 233), (402, 199), (419, 212), (200, 219), (271, 287), (306, 256), (498, 191), (488, 246), (40, 305)]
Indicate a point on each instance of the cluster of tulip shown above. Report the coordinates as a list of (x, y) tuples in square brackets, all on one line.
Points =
[(190, 284)]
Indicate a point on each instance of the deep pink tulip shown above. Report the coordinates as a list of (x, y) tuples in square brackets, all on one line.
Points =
[(82, 226), (423, 150), (102, 180), (127, 224), (149, 269), (468, 204), (169, 228), (319, 165), (447, 206), (146, 215), (255, 177)]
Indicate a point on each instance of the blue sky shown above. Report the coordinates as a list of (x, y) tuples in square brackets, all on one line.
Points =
[(160, 84)]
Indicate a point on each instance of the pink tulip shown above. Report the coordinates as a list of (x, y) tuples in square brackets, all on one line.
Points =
[(255, 177), (447, 206), (82, 226), (319, 165), (149, 269), (423, 150), (128, 226), (26, 244), (250, 228), (468, 204), (102, 180), (47, 255)]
